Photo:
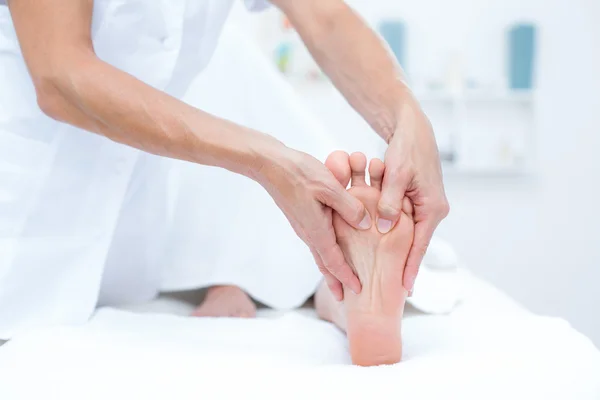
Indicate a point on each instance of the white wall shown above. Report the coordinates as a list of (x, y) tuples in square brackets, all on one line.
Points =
[(536, 237)]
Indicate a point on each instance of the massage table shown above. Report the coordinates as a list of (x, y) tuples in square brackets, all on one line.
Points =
[(488, 347)]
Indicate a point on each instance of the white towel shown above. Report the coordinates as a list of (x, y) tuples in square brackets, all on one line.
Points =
[(439, 286), (124, 355)]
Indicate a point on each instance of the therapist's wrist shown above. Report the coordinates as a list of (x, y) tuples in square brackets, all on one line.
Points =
[(393, 111), (266, 156), (406, 111)]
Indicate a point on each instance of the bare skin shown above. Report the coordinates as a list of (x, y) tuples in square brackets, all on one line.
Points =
[(226, 301), (372, 318)]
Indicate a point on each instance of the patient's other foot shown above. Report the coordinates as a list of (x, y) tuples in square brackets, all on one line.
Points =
[(372, 318), (226, 301)]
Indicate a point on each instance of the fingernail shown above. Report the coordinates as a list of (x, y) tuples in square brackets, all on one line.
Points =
[(366, 222), (410, 293), (384, 225)]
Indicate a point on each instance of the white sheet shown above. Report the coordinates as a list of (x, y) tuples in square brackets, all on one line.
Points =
[(488, 348)]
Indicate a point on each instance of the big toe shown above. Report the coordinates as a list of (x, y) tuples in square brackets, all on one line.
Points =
[(339, 165)]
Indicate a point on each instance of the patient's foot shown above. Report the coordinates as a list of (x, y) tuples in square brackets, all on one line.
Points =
[(226, 301), (372, 318)]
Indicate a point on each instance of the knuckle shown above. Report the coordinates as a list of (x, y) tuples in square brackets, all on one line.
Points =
[(438, 209), (334, 266), (441, 208), (346, 274), (399, 174), (334, 287), (388, 210), (328, 189), (334, 262), (357, 211), (404, 174), (395, 174), (444, 209), (323, 191)]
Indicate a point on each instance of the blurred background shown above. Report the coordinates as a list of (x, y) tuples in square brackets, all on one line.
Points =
[(512, 88)]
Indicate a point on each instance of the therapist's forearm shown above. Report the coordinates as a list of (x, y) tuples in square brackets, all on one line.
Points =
[(97, 97), (74, 86), (354, 57)]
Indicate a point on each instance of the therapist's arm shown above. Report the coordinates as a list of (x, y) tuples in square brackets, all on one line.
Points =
[(362, 68), (74, 86)]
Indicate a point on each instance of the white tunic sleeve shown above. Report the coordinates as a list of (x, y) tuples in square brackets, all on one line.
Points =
[(257, 5)]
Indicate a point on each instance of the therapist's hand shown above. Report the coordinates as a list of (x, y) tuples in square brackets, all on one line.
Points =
[(413, 170), (364, 70), (307, 192)]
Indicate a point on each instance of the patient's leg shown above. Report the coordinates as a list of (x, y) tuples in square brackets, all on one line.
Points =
[(226, 301), (372, 318)]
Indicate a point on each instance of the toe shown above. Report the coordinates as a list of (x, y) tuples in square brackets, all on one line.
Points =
[(339, 165), (376, 168), (358, 164)]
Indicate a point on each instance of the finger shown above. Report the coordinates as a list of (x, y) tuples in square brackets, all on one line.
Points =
[(358, 164), (351, 209), (392, 194), (339, 165), (423, 233), (376, 169), (335, 263), (407, 207), (334, 285)]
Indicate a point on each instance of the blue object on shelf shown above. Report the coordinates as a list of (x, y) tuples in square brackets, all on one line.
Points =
[(394, 32), (521, 40)]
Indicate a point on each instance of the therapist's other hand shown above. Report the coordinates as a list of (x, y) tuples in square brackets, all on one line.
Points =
[(307, 192), (412, 169)]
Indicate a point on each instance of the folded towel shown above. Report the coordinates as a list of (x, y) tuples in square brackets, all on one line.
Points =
[(439, 285)]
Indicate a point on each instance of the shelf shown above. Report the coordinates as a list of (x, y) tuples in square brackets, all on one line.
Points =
[(430, 96), (512, 96), (450, 170), (477, 126)]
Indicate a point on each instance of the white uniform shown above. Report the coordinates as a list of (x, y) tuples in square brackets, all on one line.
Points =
[(84, 220)]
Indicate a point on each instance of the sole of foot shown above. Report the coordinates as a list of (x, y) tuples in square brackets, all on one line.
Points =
[(372, 318)]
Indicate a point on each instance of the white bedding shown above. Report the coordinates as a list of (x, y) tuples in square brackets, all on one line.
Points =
[(489, 348)]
